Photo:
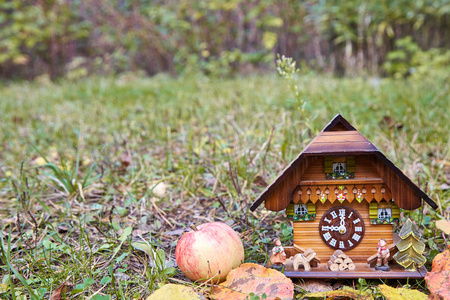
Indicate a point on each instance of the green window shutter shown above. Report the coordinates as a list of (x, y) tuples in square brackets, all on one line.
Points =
[(328, 164), (373, 210), (351, 164), (395, 211), (290, 209), (311, 208)]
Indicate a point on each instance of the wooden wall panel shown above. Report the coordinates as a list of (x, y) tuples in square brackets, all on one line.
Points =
[(404, 196), (281, 196), (306, 234)]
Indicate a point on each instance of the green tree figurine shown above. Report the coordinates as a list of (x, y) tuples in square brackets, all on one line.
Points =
[(410, 247)]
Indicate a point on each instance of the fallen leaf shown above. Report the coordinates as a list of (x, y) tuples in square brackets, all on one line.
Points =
[(438, 279), (443, 225), (392, 293), (175, 232), (159, 189), (345, 292), (61, 290), (252, 278), (143, 247), (125, 160), (259, 181), (39, 161), (315, 286), (444, 187), (175, 292)]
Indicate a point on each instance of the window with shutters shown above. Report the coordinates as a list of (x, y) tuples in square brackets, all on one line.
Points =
[(384, 213), (300, 209), (339, 167)]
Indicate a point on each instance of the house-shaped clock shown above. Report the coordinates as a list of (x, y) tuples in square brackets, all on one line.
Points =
[(342, 193)]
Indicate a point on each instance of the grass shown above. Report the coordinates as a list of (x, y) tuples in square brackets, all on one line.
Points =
[(134, 160)]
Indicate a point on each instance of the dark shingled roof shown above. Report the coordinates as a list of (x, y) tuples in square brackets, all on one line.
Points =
[(339, 137)]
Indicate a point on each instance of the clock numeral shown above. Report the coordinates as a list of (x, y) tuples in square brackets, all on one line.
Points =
[(342, 212), (356, 221), (327, 236), (328, 220), (350, 215), (356, 237), (358, 228), (350, 244), (333, 214), (325, 228), (341, 245), (333, 242)]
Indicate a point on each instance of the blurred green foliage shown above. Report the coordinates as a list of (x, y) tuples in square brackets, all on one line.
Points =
[(74, 38), (408, 59)]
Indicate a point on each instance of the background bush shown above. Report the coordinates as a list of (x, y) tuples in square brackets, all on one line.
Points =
[(74, 38)]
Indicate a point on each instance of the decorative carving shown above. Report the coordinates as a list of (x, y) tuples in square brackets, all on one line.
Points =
[(410, 247)]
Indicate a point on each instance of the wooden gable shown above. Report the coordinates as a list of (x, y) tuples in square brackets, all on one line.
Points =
[(340, 138)]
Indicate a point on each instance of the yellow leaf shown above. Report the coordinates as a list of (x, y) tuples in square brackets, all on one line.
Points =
[(400, 293), (21, 60), (175, 292), (4, 287), (269, 39), (443, 225), (337, 294), (274, 22), (40, 161)]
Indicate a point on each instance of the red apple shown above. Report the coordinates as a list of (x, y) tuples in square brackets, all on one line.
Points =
[(211, 251)]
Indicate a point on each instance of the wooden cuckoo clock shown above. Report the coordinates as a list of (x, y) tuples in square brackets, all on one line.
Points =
[(341, 196), (341, 228)]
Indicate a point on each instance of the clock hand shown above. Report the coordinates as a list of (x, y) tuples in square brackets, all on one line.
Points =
[(331, 228), (342, 228)]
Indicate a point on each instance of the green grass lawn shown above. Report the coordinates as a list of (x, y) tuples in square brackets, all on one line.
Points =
[(79, 162)]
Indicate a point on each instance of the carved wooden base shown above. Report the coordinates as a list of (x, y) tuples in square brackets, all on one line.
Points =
[(362, 271)]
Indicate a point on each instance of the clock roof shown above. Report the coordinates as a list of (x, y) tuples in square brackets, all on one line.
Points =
[(340, 138)]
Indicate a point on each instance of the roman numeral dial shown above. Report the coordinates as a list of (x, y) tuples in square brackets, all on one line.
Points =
[(341, 228)]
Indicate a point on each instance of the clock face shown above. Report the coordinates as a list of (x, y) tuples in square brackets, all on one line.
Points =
[(341, 228)]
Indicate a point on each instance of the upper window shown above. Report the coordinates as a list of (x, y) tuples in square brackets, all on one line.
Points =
[(300, 209), (339, 167), (384, 213)]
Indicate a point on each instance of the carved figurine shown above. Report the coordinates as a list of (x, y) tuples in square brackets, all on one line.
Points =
[(277, 256), (382, 256), (301, 259)]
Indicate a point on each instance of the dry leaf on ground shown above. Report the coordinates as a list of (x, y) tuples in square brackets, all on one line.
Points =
[(175, 292), (315, 286), (443, 225), (392, 293), (438, 279), (338, 294), (62, 289), (252, 278), (159, 189)]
